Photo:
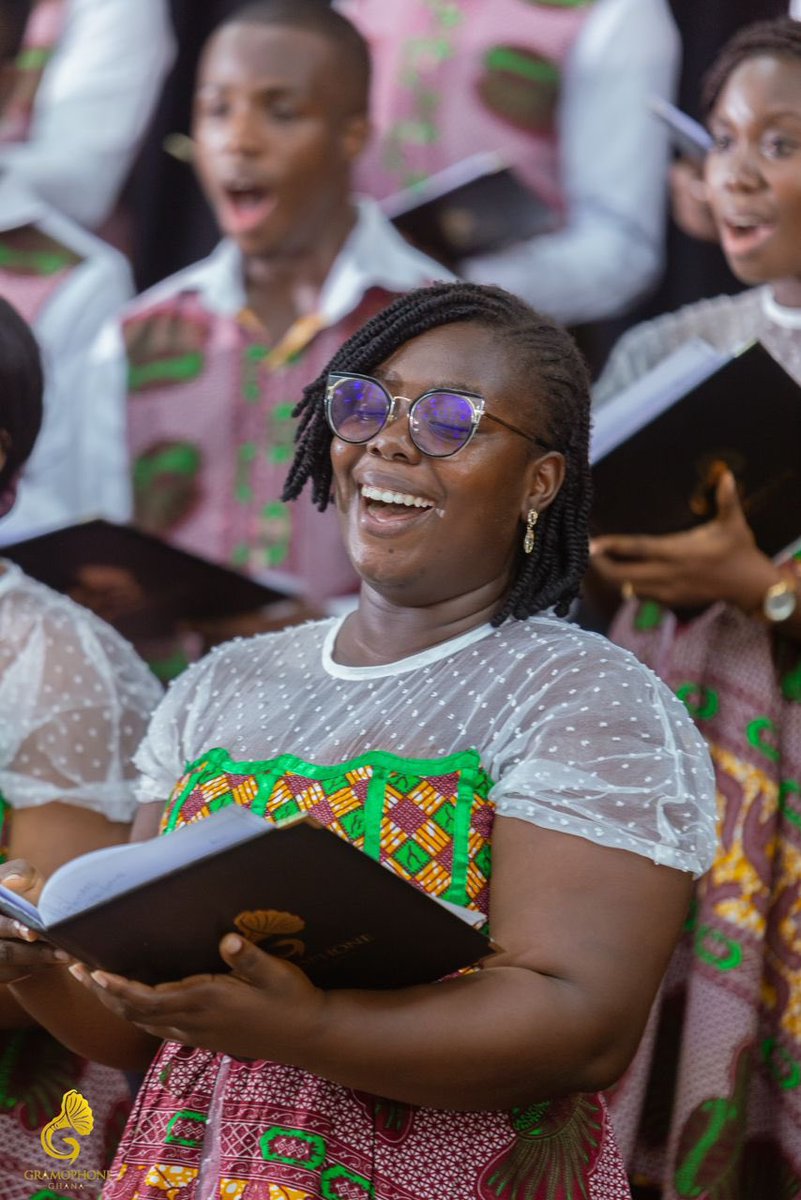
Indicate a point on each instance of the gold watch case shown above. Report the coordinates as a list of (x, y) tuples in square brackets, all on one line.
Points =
[(780, 601)]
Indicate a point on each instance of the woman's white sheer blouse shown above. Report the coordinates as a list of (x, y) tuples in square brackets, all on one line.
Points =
[(75, 700), (576, 734)]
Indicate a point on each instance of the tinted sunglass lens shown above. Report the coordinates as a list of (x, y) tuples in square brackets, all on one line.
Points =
[(357, 409), (441, 423)]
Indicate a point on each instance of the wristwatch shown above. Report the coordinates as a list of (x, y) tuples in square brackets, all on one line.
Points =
[(780, 601)]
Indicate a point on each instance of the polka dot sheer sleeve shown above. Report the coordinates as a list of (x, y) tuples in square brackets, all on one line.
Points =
[(75, 700), (599, 747), (574, 733)]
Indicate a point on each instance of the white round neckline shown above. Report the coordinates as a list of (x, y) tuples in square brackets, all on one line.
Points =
[(788, 318), (433, 654)]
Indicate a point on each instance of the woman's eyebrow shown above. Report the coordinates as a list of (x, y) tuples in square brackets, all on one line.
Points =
[(392, 379), (782, 114)]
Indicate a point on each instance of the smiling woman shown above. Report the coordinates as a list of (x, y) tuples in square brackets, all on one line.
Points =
[(516, 369), (456, 729), (458, 555)]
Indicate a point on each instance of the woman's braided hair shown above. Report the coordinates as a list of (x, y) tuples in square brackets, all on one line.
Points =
[(555, 376), (780, 39)]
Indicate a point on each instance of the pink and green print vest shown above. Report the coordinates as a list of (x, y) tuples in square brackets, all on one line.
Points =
[(42, 35), (210, 431), (455, 77), (33, 266)]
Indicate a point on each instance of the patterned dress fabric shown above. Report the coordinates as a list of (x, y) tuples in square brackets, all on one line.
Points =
[(74, 703), (454, 79), (430, 750), (711, 1108)]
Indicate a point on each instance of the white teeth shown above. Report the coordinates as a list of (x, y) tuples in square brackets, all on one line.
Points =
[(373, 493)]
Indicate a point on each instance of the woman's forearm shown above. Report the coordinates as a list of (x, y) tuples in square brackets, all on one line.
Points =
[(56, 1001), (496, 1039)]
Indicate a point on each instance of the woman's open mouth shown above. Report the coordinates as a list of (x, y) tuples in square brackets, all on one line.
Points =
[(740, 236), (391, 509)]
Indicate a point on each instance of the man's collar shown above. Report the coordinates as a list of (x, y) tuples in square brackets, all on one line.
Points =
[(18, 205), (373, 255)]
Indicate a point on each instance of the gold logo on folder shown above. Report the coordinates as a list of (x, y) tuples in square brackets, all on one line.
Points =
[(270, 926), (75, 1116)]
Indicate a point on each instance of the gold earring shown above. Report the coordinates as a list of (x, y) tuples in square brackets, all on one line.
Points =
[(531, 521)]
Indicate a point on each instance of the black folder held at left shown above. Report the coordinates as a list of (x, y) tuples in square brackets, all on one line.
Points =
[(156, 911), (140, 584)]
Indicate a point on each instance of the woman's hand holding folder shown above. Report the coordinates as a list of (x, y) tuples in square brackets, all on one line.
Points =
[(22, 953), (718, 560)]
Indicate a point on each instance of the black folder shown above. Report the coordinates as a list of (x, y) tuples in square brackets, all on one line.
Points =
[(746, 416), (161, 587), (156, 911), (474, 207)]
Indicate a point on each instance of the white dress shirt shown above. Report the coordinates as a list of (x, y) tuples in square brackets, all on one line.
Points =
[(614, 159), (56, 488), (93, 105)]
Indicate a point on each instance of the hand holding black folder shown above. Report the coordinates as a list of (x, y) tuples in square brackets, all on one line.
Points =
[(157, 910), (658, 448)]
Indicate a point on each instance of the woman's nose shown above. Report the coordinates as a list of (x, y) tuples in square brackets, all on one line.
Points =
[(742, 169), (394, 440)]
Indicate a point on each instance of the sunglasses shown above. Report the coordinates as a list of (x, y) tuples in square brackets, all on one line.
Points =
[(441, 422)]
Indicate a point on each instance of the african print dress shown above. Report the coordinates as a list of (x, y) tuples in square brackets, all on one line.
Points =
[(206, 1125), (711, 1107)]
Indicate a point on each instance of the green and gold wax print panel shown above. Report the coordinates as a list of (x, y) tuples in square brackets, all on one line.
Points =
[(430, 820)]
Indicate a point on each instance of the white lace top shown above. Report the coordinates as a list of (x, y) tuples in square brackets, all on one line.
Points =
[(575, 733), (75, 700), (726, 322)]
